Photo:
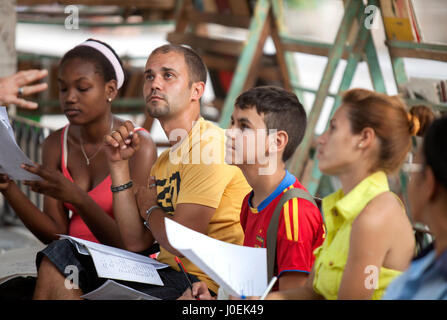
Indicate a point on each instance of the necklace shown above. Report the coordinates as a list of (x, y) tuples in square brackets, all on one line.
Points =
[(88, 159)]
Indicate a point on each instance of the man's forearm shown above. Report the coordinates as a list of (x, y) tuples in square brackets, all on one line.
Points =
[(156, 223), (133, 233)]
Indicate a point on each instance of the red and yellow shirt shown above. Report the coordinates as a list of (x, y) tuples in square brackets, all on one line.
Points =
[(300, 229)]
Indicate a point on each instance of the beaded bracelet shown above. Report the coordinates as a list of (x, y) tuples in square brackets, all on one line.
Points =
[(122, 187)]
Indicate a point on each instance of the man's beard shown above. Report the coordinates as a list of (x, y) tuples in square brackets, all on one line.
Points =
[(157, 110)]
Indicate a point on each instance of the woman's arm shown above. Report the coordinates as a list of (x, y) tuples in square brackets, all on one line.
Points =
[(371, 236), (54, 219), (305, 292), (55, 185), (130, 161)]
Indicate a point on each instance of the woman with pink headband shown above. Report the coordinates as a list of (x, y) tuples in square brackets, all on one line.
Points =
[(75, 173)]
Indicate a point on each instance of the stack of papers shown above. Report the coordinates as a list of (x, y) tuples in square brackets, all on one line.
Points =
[(237, 269), (112, 290), (115, 263)]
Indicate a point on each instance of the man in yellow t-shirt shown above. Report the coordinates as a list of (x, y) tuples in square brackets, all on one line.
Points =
[(191, 183), (181, 179)]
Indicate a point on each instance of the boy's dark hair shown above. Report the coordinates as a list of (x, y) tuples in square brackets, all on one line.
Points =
[(196, 66), (101, 63), (282, 111)]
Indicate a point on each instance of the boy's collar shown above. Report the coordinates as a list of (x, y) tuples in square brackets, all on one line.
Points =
[(288, 180)]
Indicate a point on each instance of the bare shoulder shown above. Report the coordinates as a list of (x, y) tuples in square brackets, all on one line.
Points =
[(54, 138), (148, 148), (379, 212), (51, 148), (144, 158), (145, 137)]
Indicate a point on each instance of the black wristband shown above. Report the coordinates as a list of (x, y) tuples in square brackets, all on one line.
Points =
[(122, 187)]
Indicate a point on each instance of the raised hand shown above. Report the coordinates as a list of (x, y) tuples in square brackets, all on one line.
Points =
[(122, 143), (13, 87), (54, 184)]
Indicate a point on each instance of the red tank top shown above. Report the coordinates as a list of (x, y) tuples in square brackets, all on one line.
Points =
[(101, 194)]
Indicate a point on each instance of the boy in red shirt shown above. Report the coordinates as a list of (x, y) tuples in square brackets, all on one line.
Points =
[(267, 125)]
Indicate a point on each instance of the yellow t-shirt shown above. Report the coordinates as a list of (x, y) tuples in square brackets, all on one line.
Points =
[(340, 212), (196, 172)]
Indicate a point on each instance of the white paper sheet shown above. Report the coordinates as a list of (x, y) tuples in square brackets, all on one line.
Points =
[(11, 156), (115, 263), (114, 251), (18, 262), (112, 290), (114, 267), (239, 270), (5, 120)]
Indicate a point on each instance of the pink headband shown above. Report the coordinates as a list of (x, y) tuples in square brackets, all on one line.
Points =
[(110, 56)]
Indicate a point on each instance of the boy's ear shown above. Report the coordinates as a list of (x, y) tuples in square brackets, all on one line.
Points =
[(197, 90), (277, 141)]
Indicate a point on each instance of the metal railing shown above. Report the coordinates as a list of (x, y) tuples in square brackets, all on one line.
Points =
[(29, 136)]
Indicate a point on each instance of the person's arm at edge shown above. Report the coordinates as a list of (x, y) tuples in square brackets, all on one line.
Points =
[(9, 87), (305, 292), (292, 279), (54, 218), (369, 244)]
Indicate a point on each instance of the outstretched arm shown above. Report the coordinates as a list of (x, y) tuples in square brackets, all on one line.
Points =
[(305, 292), (53, 220), (16, 85)]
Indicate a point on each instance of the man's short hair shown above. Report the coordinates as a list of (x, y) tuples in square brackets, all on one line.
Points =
[(196, 67), (282, 111)]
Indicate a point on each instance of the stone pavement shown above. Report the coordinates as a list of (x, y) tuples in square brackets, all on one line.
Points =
[(14, 237)]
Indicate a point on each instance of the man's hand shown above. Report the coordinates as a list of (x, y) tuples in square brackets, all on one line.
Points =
[(199, 292), (122, 143), (13, 87)]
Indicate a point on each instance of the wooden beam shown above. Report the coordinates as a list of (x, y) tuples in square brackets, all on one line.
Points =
[(280, 53), (213, 61), (266, 72), (249, 58), (152, 4), (254, 64), (308, 47), (298, 160), (418, 54), (404, 49), (229, 20), (229, 47), (181, 19)]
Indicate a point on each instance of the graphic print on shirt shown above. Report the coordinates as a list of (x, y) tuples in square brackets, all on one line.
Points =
[(169, 191)]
